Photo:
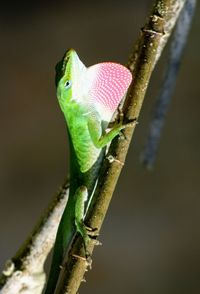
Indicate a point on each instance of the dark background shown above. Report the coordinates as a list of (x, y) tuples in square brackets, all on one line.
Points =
[(151, 238)]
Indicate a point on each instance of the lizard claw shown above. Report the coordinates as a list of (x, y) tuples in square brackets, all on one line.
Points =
[(131, 123), (92, 232)]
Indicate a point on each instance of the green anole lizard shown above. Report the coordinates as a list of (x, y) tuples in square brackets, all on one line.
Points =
[(88, 98)]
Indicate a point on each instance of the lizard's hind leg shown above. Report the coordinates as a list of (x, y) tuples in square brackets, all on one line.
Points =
[(81, 196)]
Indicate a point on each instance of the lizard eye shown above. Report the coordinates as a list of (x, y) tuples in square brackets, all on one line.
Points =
[(68, 84)]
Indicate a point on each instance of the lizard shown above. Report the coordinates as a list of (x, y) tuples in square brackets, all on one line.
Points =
[(88, 98)]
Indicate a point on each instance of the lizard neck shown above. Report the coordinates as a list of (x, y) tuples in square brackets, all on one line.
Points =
[(85, 151)]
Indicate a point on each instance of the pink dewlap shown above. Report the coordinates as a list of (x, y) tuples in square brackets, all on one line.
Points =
[(110, 83)]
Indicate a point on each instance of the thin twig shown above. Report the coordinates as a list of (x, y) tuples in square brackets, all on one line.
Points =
[(149, 47)]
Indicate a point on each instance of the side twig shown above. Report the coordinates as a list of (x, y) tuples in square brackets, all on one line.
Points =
[(24, 273)]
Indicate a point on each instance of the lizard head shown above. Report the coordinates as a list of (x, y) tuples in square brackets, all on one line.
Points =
[(100, 87), (68, 77)]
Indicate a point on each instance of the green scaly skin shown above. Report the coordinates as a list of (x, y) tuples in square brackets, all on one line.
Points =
[(86, 154)]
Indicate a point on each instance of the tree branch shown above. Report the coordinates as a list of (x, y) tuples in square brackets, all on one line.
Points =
[(147, 51)]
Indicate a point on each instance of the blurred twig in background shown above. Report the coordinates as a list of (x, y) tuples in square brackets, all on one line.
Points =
[(179, 40), (23, 277)]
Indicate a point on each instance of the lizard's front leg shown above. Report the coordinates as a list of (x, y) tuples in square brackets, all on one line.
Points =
[(101, 140)]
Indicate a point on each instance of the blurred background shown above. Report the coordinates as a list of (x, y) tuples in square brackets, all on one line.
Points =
[(151, 236)]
